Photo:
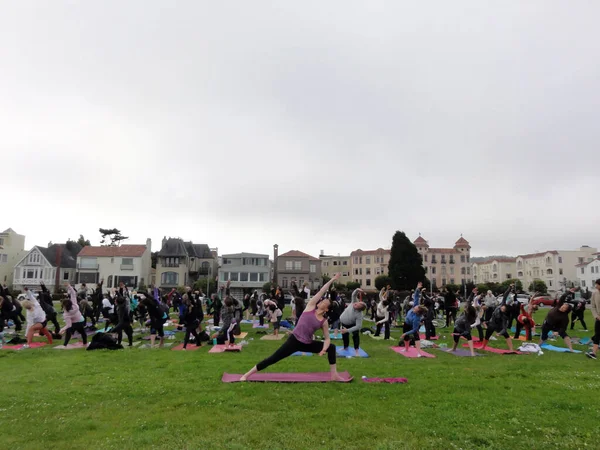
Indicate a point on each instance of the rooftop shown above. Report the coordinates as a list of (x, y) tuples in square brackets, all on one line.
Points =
[(297, 254), (131, 251)]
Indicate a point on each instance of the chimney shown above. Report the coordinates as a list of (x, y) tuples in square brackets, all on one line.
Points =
[(164, 241), (59, 250), (149, 245), (322, 253), (275, 256)]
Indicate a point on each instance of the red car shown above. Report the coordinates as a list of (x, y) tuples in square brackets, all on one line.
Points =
[(543, 300)]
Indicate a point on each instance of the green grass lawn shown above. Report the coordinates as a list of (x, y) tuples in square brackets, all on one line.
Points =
[(157, 398)]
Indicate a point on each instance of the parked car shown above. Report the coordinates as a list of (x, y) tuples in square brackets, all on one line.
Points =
[(22, 297), (521, 298), (543, 300)]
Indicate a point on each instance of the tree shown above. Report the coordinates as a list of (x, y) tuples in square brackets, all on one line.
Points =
[(267, 287), (339, 287), (453, 287), (406, 265), (351, 285), (381, 281), (326, 279), (505, 285), (538, 286), (113, 234), (154, 259), (83, 241), (201, 285)]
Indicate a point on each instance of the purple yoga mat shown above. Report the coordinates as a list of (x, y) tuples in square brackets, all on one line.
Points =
[(460, 352), (293, 377), (411, 353)]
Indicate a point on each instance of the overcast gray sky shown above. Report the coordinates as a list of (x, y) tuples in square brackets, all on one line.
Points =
[(314, 125)]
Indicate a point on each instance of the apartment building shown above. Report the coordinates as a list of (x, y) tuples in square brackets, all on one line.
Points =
[(129, 264), (366, 265), (183, 263), (246, 272), (557, 268), (12, 249), (495, 270), (330, 265), (446, 265), (299, 267), (588, 273)]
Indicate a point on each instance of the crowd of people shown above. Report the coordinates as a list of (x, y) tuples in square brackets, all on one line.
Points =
[(121, 308)]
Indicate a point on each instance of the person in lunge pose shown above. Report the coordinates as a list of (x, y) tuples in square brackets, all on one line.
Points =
[(351, 321), (412, 323), (36, 318), (462, 327), (301, 340), (557, 321)]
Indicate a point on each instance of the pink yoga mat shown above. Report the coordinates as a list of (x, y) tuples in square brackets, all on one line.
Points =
[(70, 346), (500, 351), (294, 377), (411, 353), (223, 348), (432, 338), (189, 347), (385, 380), (20, 346)]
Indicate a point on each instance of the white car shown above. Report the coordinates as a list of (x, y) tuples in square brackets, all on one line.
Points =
[(523, 299)]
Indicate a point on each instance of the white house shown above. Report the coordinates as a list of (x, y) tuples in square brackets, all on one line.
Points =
[(246, 271), (12, 249), (55, 265), (588, 273), (130, 264), (495, 270)]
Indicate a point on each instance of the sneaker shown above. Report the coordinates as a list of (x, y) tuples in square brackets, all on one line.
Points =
[(419, 355), (591, 355), (402, 349), (25, 346)]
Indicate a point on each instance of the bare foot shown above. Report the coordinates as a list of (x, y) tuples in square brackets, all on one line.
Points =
[(337, 377), (243, 378), (357, 353)]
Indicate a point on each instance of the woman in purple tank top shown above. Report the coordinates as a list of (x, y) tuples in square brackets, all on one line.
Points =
[(312, 319)]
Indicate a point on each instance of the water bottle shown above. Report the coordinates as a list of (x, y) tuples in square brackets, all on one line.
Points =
[(215, 341)]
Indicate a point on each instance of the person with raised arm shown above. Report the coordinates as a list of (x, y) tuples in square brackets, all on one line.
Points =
[(351, 321), (301, 340)]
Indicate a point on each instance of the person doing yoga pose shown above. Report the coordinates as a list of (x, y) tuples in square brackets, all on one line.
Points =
[(301, 340)]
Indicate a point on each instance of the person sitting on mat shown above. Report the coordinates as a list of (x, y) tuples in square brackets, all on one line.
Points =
[(411, 326), (557, 321), (351, 320), (301, 340), (462, 327)]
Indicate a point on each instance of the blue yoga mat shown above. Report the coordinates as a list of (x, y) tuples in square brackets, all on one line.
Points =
[(350, 352), (552, 348), (585, 341), (301, 354)]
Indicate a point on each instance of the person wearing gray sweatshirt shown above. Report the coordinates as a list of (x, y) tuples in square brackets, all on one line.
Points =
[(351, 321)]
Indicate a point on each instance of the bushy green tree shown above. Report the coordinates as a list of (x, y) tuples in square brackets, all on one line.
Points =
[(406, 265)]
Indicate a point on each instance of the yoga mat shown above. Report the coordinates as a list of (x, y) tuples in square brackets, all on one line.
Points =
[(223, 348), (499, 351), (460, 352), (272, 337), (266, 326), (241, 335), (248, 321), (189, 347), (70, 346), (585, 341), (335, 337), (20, 346), (552, 348), (412, 352), (385, 380), (377, 338), (302, 354), (316, 377), (432, 338), (350, 352), (147, 346)]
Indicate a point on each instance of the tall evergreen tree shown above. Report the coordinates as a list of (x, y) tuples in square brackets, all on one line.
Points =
[(406, 265)]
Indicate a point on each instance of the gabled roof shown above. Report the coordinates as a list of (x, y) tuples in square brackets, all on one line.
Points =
[(68, 257), (173, 247), (462, 242), (131, 251), (420, 241), (535, 255), (297, 254)]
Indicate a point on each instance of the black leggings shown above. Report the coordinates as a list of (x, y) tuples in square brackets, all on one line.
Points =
[(429, 328), (458, 333), (384, 324), (547, 328), (355, 337), (293, 345), (490, 331), (596, 336), (52, 318), (156, 327), (450, 315), (128, 331), (80, 328), (578, 315), (527, 327), (190, 328)]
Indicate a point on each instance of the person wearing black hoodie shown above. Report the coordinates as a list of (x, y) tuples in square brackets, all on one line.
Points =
[(97, 301), (124, 320), (48, 307), (156, 312), (578, 314), (557, 320), (191, 319), (450, 307), (499, 322)]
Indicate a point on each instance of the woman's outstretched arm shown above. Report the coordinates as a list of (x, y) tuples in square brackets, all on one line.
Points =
[(313, 301)]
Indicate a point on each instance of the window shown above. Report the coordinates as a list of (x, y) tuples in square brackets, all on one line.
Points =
[(433, 270), (297, 265), (88, 263), (462, 258), (357, 281), (560, 259), (243, 276), (345, 263), (253, 277), (335, 263), (368, 271), (355, 271), (425, 258), (582, 283), (550, 283), (224, 276), (378, 271), (580, 260), (443, 260), (66, 276), (128, 281), (433, 260), (549, 272), (127, 261), (451, 280), (463, 271), (34, 258), (495, 276), (368, 282), (1, 241), (289, 265), (3, 258), (109, 282), (443, 270), (368, 260), (468, 271), (360, 270), (443, 282), (451, 270), (494, 268), (313, 268), (360, 259), (508, 276), (284, 283), (29, 274), (356, 260), (87, 277), (262, 277), (169, 278), (582, 270), (227, 261), (234, 276), (520, 264), (547, 260)]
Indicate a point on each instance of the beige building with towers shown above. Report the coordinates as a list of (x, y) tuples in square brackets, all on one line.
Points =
[(446, 265)]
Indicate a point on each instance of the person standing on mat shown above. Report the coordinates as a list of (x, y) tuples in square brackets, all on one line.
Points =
[(313, 318), (36, 317), (525, 320), (411, 326), (557, 321), (123, 320), (74, 321), (595, 305), (450, 307), (48, 307), (382, 316), (156, 312), (499, 322), (462, 327), (351, 321), (191, 319), (578, 314)]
